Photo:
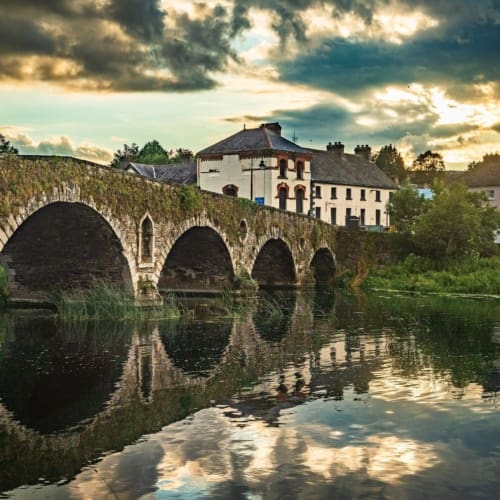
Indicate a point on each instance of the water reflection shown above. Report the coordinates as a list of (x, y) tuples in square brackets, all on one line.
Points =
[(306, 396)]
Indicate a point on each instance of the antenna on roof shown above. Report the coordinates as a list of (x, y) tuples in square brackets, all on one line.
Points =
[(294, 137)]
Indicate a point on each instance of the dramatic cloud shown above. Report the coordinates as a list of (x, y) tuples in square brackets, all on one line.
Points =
[(62, 146), (118, 45)]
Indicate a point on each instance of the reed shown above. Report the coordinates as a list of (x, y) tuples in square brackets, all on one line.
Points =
[(106, 302)]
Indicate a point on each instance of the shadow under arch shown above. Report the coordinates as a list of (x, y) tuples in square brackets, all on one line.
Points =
[(323, 267), (64, 245), (197, 348), (274, 266), (53, 376), (199, 259)]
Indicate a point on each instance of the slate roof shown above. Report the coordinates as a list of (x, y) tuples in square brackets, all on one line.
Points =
[(173, 173), (347, 169), (487, 174), (256, 140)]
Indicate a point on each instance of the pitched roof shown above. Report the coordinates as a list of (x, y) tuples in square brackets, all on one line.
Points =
[(263, 138), (347, 169), (173, 173), (486, 174)]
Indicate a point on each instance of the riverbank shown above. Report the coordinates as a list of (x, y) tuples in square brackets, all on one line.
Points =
[(474, 276)]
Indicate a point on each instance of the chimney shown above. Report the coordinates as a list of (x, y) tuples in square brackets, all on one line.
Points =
[(363, 151), (337, 148), (275, 127)]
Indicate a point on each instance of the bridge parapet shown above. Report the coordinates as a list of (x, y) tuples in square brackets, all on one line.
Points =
[(65, 222)]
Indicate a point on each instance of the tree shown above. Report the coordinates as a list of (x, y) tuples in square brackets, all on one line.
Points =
[(390, 161), (427, 167), (152, 153), (122, 157), (456, 223), (404, 207), (5, 146)]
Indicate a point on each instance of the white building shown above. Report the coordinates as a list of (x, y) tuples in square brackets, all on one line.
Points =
[(261, 165), (349, 188)]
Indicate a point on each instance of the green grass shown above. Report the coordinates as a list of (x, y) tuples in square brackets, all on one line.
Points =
[(478, 276), (105, 302)]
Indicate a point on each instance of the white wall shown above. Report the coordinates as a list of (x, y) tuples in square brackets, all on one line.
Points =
[(213, 175), (326, 202)]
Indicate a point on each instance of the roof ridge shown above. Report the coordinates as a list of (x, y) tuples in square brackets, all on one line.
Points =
[(266, 136)]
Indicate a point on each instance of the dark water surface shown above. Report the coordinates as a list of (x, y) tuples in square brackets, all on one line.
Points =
[(311, 395)]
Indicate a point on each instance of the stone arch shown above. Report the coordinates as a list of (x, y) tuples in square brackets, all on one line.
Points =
[(274, 265), (197, 258), (323, 266), (50, 231), (230, 190), (146, 241)]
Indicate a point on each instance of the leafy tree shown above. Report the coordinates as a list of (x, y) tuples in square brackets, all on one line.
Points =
[(122, 157), (152, 153), (427, 167), (404, 207), (179, 154), (5, 146), (456, 223), (488, 159), (390, 161)]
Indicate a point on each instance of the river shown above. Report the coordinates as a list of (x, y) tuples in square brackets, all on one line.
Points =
[(296, 395)]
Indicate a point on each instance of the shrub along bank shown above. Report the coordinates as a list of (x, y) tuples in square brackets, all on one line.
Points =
[(468, 276)]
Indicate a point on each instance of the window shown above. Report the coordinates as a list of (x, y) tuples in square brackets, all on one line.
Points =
[(318, 212), (363, 195), (348, 194), (146, 240), (333, 216), (300, 170), (283, 193), (299, 201), (283, 168), (333, 194), (230, 190), (491, 194), (347, 215), (362, 217), (377, 196), (317, 191), (377, 217)]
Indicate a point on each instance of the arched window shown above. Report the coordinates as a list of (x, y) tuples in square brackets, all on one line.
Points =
[(146, 240), (230, 190), (283, 168), (300, 170), (283, 194), (299, 200)]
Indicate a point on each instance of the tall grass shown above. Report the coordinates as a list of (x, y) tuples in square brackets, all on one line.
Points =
[(470, 275), (106, 302)]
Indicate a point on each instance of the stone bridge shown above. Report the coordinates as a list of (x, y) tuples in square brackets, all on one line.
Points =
[(65, 223)]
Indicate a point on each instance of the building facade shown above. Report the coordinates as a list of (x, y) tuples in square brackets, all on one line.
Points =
[(261, 165), (349, 189)]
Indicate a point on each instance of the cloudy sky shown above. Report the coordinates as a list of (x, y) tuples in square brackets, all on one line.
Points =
[(83, 77)]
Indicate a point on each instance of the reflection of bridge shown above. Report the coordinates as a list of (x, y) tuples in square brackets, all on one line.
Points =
[(66, 223), (156, 387)]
